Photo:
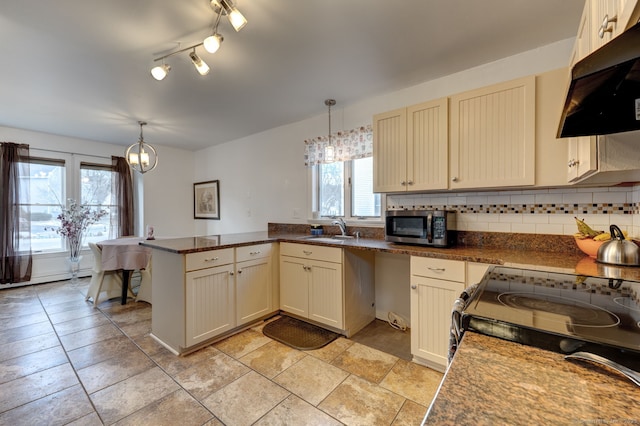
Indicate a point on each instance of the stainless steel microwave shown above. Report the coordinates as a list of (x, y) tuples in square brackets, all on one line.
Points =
[(424, 227)]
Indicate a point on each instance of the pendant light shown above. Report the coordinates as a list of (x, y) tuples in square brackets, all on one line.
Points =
[(329, 149), (141, 156)]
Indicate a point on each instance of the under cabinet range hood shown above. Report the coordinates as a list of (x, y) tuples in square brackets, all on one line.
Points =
[(604, 94)]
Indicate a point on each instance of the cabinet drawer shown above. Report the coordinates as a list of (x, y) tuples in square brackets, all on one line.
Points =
[(253, 252), (451, 270), (208, 259), (308, 251)]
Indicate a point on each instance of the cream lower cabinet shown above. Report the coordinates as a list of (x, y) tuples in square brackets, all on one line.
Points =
[(328, 286), (254, 282), (311, 283), (204, 296), (209, 303), (435, 285)]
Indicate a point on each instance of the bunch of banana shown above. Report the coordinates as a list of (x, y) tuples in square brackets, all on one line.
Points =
[(585, 231)]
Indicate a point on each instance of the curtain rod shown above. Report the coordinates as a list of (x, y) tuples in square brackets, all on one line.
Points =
[(70, 153)]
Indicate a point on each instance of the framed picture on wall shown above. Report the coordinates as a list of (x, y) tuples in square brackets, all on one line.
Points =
[(206, 200)]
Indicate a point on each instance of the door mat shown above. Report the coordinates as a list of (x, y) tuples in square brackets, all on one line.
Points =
[(298, 334)]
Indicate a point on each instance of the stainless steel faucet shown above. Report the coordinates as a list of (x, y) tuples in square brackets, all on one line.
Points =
[(343, 226)]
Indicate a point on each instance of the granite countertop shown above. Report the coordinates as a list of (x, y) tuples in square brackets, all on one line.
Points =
[(492, 381), (537, 259)]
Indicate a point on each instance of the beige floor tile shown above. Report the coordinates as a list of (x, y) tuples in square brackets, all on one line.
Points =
[(78, 312), (205, 378), (241, 344), (329, 352), (137, 329), (91, 419), (29, 345), (177, 408), (295, 411), (413, 381), (410, 414), (23, 319), (106, 373), (311, 379), (148, 344), (59, 408), (246, 400), (87, 337), (24, 332), (79, 324), (14, 368), (100, 351), (365, 362), (37, 385), (272, 358), (359, 402), (173, 364), (126, 397)]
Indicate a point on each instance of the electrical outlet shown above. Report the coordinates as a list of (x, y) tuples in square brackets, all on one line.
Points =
[(296, 213)]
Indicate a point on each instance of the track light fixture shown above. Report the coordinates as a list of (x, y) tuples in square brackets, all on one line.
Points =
[(211, 44), (141, 156)]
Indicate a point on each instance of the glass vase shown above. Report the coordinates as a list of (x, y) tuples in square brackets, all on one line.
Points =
[(74, 265)]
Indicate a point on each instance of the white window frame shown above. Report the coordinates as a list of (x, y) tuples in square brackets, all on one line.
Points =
[(314, 190), (71, 187)]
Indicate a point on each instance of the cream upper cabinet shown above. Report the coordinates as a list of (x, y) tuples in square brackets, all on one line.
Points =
[(411, 148), (492, 136), (582, 158)]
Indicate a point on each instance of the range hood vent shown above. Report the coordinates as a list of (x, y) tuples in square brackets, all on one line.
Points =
[(604, 95)]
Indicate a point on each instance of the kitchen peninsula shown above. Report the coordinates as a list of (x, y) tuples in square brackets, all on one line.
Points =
[(184, 319)]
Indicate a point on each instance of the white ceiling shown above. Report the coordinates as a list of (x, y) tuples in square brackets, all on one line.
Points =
[(81, 68)]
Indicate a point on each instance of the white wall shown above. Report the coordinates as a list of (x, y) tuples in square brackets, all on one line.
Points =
[(263, 178), (167, 192)]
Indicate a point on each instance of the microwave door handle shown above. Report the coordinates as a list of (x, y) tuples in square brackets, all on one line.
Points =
[(430, 227)]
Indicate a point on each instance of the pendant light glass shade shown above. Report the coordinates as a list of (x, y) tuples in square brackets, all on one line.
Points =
[(329, 150), (141, 156)]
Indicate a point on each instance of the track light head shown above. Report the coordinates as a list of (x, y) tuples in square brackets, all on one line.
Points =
[(160, 72), (200, 65), (212, 43), (226, 7)]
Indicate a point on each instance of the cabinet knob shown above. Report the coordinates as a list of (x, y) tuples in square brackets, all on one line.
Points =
[(253, 253), (231, 273), (454, 179), (403, 183), (239, 271), (413, 287), (410, 182), (605, 28), (211, 259), (573, 163)]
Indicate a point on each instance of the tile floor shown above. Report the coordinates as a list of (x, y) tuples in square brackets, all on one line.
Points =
[(64, 362)]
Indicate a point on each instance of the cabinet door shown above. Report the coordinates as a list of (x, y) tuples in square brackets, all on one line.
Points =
[(601, 32), (390, 151), (253, 289), (326, 293), (428, 145), (493, 136), (431, 302), (209, 303), (294, 286), (582, 158)]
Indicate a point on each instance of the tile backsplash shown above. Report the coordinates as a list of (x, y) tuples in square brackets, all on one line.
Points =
[(535, 211)]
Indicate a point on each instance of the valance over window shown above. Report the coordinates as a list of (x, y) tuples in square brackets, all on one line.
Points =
[(348, 145)]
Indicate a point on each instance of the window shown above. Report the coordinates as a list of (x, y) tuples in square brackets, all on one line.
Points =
[(96, 192), (51, 182), (46, 190), (345, 189)]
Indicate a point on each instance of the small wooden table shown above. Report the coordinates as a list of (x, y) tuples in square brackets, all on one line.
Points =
[(124, 254)]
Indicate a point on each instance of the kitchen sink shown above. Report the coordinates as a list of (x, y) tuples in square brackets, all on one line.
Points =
[(333, 239)]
